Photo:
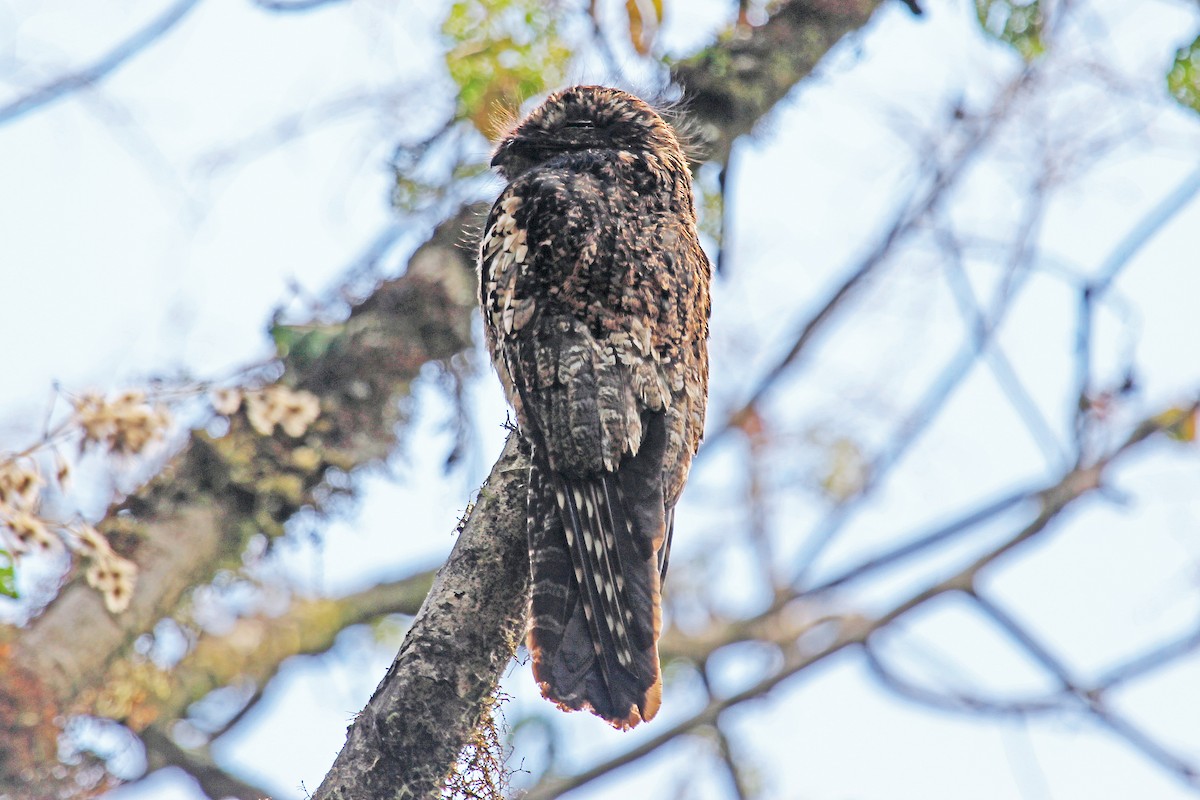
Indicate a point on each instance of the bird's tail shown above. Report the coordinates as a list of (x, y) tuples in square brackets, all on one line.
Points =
[(594, 546)]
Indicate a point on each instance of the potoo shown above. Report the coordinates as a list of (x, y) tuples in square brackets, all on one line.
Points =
[(595, 300)]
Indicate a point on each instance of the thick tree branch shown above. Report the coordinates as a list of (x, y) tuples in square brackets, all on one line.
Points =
[(196, 516), (407, 738), (731, 86), (252, 651)]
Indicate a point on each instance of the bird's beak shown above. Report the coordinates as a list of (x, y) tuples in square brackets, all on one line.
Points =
[(501, 153)]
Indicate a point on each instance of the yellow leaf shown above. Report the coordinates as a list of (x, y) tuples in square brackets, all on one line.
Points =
[(1185, 431), (1178, 423), (645, 17)]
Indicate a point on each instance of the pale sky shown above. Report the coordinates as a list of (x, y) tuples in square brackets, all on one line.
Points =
[(127, 249)]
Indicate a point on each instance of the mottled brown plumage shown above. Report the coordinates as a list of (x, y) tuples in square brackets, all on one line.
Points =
[(595, 299)]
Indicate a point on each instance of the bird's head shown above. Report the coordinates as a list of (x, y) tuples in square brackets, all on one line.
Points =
[(586, 118)]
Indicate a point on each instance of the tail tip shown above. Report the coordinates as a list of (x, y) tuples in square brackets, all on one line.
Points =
[(643, 711)]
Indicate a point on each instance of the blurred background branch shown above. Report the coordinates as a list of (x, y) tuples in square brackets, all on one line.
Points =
[(952, 392)]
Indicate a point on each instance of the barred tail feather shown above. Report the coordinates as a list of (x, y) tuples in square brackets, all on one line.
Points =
[(594, 553)]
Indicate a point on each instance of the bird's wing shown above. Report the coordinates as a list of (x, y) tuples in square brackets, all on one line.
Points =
[(573, 296)]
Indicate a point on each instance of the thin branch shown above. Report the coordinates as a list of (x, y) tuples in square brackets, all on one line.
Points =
[(741, 787), (1145, 230), (1002, 369), (1095, 289), (292, 6), (959, 703), (1017, 632), (908, 216), (602, 46), (89, 76), (919, 543), (1151, 660), (726, 180), (924, 413), (1092, 699), (1187, 772), (366, 265), (857, 630), (724, 747), (1083, 369), (162, 751), (251, 703), (297, 124)]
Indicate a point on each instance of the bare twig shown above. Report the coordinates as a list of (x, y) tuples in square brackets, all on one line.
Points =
[(914, 545), (1095, 289), (1188, 772), (1073, 485), (1091, 699), (1151, 660), (955, 702), (726, 181), (724, 746), (932, 401), (910, 213), (1002, 369), (162, 751), (292, 6), (89, 76)]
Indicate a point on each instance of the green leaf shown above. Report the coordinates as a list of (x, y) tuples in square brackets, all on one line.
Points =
[(1183, 81), (304, 343), (499, 53), (1018, 23), (8, 575)]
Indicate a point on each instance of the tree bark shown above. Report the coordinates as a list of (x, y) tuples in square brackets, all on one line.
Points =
[(196, 516), (730, 86), (407, 738)]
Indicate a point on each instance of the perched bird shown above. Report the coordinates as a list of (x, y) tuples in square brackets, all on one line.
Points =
[(595, 300)]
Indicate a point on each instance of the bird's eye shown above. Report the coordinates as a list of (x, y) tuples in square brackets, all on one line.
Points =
[(578, 123)]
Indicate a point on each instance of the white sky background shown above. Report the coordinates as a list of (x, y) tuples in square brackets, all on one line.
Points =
[(124, 252)]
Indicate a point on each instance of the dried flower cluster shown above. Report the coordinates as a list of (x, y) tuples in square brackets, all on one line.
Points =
[(124, 424), (21, 529), (293, 411), (110, 574)]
